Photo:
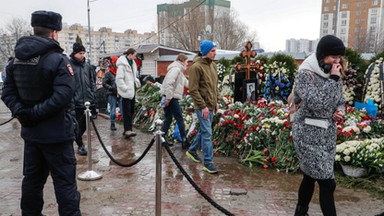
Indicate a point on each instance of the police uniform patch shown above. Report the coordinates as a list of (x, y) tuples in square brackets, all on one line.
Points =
[(70, 69)]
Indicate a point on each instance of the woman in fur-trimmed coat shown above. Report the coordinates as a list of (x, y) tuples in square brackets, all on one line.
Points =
[(319, 91)]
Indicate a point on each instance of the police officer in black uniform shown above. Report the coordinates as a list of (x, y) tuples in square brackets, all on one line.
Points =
[(39, 90)]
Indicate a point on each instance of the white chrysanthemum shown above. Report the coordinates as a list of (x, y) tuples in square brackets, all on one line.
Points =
[(220, 111), (337, 158), (367, 129), (352, 149), (347, 158), (339, 148), (346, 151)]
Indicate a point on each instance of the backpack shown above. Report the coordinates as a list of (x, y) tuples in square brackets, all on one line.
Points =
[(292, 106)]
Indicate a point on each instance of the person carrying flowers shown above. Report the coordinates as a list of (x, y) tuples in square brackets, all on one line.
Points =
[(319, 93), (172, 90)]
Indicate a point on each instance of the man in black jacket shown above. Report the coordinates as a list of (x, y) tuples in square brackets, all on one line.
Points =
[(39, 90), (85, 90)]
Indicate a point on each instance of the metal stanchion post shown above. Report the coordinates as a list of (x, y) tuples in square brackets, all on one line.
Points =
[(89, 175), (158, 136)]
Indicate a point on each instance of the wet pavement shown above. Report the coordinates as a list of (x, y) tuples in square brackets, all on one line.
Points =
[(131, 191)]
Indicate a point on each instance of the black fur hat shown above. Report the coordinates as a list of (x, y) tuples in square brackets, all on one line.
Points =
[(47, 19), (329, 45)]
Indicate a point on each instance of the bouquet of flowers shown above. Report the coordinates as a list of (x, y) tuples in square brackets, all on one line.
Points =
[(373, 89), (366, 154)]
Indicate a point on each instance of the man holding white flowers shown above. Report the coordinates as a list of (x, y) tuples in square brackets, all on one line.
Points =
[(318, 90)]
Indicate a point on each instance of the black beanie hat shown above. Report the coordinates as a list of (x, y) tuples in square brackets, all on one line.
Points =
[(329, 45), (46, 19), (77, 47)]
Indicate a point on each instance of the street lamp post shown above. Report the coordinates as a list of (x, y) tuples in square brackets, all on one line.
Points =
[(89, 33)]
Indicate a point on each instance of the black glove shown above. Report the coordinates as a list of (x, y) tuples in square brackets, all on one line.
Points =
[(25, 117)]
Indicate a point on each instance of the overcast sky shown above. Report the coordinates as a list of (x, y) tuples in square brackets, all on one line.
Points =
[(273, 20)]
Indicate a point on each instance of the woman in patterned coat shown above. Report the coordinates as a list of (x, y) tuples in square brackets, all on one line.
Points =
[(318, 90)]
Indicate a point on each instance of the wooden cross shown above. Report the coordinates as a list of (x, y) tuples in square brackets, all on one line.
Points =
[(247, 54)]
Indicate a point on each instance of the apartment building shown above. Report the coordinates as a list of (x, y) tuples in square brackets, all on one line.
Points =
[(358, 23), (104, 40), (197, 26), (301, 45)]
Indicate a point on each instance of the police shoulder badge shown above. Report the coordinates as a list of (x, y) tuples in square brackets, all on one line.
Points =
[(70, 69)]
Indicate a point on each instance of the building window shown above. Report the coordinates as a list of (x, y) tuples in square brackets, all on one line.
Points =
[(344, 6), (343, 22), (373, 20), (344, 14), (325, 32), (325, 25), (343, 30), (334, 8), (358, 4), (326, 1), (357, 21), (373, 10), (375, 2), (357, 30), (358, 13), (326, 16), (326, 9)]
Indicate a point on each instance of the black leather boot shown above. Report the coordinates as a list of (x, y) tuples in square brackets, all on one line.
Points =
[(301, 210), (164, 141), (81, 150), (113, 127), (185, 144)]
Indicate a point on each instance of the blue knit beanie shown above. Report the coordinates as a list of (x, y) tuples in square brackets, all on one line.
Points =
[(206, 46)]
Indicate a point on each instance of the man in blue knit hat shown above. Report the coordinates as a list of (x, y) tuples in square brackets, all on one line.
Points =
[(203, 90)]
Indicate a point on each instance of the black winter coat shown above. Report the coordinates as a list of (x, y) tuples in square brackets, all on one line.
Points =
[(109, 83), (40, 78), (85, 86)]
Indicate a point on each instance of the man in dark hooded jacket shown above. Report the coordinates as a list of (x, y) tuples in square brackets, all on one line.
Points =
[(85, 90), (39, 90)]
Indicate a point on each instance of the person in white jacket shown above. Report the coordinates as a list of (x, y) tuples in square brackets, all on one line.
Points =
[(172, 90), (127, 83)]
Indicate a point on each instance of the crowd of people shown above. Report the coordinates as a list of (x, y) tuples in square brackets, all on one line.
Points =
[(47, 92)]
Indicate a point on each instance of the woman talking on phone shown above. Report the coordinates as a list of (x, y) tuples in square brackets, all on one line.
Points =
[(318, 92)]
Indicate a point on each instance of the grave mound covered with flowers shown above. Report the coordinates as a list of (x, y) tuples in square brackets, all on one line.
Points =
[(258, 133)]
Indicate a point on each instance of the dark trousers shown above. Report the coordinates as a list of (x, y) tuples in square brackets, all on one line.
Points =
[(128, 106), (40, 160), (81, 120), (327, 188), (174, 109)]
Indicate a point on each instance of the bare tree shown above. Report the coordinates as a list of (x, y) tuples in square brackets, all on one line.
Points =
[(9, 35), (231, 33), (359, 42), (187, 31), (368, 40), (377, 42)]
